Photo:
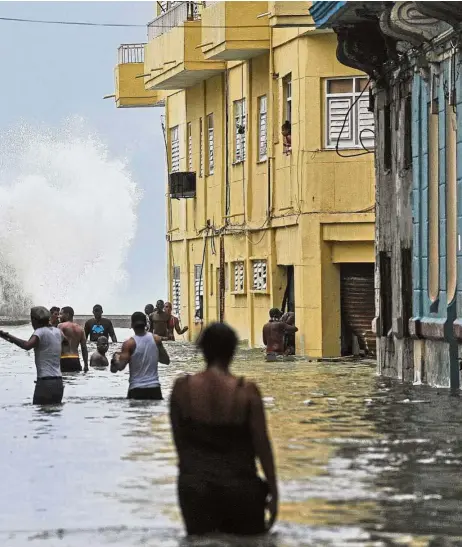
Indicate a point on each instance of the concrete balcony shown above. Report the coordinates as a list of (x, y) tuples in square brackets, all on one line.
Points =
[(232, 31), (173, 59), (130, 91), (289, 14)]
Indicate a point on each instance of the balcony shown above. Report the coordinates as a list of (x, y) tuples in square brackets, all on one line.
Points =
[(289, 14), (130, 91), (173, 59), (233, 32)]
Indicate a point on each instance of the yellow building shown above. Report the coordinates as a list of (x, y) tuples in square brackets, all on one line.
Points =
[(267, 220)]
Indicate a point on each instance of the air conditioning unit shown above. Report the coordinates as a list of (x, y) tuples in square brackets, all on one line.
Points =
[(182, 184)]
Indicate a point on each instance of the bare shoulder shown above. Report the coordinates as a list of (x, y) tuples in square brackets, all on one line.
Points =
[(252, 389)]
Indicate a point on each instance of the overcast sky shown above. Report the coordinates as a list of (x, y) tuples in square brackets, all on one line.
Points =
[(52, 72)]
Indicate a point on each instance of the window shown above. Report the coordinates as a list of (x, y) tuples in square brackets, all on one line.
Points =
[(189, 135), (259, 275), (357, 121), (210, 148), (262, 128), (239, 130), (201, 148), (176, 291), (198, 292), (287, 93), (239, 276), (175, 149)]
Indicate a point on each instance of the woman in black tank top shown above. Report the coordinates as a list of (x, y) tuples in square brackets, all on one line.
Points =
[(219, 429)]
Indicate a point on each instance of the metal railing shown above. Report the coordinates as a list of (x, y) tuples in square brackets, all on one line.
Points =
[(176, 14), (131, 53)]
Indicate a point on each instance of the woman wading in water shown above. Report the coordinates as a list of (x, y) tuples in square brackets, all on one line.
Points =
[(219, 429)]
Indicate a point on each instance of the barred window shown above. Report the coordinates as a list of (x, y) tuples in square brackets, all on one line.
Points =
[(259, 275), (210, 149), (239, 130), (239, 276), (190, 144), (176, 291), (198, 291), (201, 148), (175, 149), (262, 128)]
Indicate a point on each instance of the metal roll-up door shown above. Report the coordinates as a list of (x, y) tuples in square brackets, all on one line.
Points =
[(358, 303)]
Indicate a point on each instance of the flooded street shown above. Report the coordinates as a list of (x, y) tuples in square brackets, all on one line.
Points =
[(361, 461)]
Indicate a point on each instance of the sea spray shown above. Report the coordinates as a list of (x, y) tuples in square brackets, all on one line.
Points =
[(67, 218)]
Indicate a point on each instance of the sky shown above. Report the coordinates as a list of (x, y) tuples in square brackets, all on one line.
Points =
[(51, 72)]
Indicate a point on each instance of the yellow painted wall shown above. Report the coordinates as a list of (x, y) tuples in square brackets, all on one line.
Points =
[(322, 204)]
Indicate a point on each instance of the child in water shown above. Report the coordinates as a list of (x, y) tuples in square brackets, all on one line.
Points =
[(98, 358)]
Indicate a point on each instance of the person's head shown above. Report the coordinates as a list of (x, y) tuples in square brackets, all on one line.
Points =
[(39, 317), (168, 308), (98, 311), (54, 315), (160, 305), (218, 342), (290, 318), (148, 309), (286, 128), (67, 314), (102, 345), (139, 321), (275, 314)]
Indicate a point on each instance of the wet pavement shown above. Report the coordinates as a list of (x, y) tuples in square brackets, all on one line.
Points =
[(361, 460)]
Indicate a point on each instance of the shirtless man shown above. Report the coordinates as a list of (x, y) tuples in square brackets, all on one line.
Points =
[(74, 337), (98, 358), (159, 321), (54, 316), (289, 337), (173, 323), (273, 334), (148, 309)]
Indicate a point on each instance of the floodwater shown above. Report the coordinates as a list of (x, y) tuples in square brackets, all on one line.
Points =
[(361, 460)]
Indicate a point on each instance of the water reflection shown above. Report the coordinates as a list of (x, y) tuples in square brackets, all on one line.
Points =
[(362, 461)]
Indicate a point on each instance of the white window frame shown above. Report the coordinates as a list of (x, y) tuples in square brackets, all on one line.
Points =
[(358, 117), (198, 289), (175, 149), (287, 95), (201, 147), (240, 122), (260, 276), (190, 146), (211, 145), (176, 291), (238, 271), (262, 138)]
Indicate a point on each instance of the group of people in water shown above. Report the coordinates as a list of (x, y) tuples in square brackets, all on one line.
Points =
[(279, 334), (218, 420)]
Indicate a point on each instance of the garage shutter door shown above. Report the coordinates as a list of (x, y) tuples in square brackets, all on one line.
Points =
[(358, 302)]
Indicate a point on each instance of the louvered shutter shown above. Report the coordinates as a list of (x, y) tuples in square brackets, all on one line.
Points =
[(198, 285), (175, 149), (337, 110), (365, 123), (239, 277), (176, 291), (201, 149), (262, 130), (190, 158), (259, 275)]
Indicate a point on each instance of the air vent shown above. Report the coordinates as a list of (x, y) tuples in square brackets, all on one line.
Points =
[(182, 185)]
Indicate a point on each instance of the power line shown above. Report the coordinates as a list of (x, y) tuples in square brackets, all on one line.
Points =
[(75, 23)]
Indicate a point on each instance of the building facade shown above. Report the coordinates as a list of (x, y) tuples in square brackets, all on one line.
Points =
[(410, 50), (271, 199)]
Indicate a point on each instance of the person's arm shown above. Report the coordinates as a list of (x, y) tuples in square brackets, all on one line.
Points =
[(175, 412), (121, 359), (87, 329), (164, 357), (263, 448), (23, 344), (111, 331), (265, 340), (178, 329), (290, 328), (83, 347)]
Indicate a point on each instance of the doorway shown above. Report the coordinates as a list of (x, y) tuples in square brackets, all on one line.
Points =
[(288, 301)]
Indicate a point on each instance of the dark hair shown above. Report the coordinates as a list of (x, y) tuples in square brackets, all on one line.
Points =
[(97, 307), (138, 319), (149, 307), (159, 304), (218, 343), (286, 126), (275, 312), (53, 309), (68, 311)]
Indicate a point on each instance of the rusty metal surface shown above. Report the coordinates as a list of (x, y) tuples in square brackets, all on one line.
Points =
[(358, 304)]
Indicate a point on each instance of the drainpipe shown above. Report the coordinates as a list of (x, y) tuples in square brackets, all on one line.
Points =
[(227, 188)]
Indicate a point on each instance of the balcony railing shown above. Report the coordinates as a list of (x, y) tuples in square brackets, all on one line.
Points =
[(131, 53), (176, 14)]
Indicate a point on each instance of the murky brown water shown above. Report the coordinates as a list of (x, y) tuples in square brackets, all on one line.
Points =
[(361, 461)]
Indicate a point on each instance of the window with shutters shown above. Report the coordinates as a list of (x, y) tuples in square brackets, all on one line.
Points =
[(262, 128), (175, 149), (176, 291), (259, 275), (201, 148), (239, 130), (348, 120), (238, 277), (190, 144), (287, 94), (210, 147), (198, 292)]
